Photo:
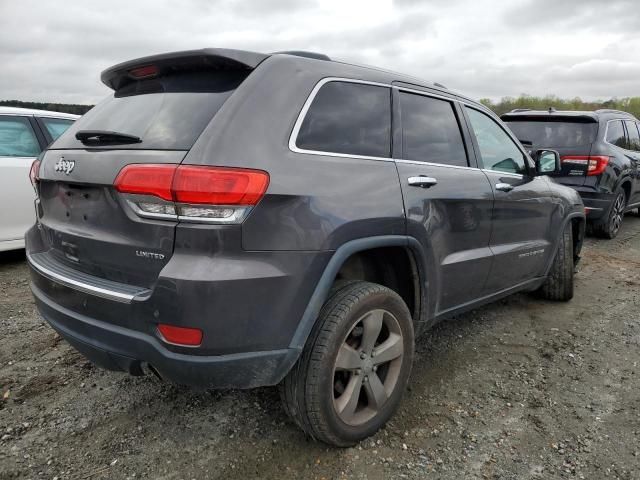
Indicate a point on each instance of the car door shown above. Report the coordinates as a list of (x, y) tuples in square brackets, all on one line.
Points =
[(19, 146), (447, 200), (524, 227), (633, 152)]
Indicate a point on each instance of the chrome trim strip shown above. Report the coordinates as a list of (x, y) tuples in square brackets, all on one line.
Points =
[(507, 174), (431, 164), (81, 286), (592, 208)]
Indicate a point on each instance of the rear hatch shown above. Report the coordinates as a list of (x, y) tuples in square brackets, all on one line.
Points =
[(571, 135), (159, 108)]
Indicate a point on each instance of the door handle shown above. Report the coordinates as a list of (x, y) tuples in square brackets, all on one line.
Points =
[(504, 187), (422, 181)]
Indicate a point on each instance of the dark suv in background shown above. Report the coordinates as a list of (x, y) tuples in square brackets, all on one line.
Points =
[(235, 219), (600, 154)]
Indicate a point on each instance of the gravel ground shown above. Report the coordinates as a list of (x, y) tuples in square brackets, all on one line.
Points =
[(519, 389)]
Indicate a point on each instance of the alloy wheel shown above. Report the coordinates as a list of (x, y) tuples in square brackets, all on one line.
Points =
[(617, 214), (367, 367)]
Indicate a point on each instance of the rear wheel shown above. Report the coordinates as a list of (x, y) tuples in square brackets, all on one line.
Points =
[(559, 283), (610, 225), (353, 371)]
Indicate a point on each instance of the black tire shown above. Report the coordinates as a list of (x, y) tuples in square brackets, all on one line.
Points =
[(610, 225), (559, 283), (309, 391)]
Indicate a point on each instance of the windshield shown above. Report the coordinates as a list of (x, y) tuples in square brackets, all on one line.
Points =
[(554, 134), (168, 113)]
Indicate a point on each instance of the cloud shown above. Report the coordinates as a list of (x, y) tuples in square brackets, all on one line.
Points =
[(482, 48)]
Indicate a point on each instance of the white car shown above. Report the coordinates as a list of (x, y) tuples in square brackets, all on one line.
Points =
[(24, 133)]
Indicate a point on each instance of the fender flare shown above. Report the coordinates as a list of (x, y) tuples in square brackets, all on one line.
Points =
[(323, 287), (567, 219)]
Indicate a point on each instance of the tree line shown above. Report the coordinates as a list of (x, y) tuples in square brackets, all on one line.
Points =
[(53, 107), (506, 104)]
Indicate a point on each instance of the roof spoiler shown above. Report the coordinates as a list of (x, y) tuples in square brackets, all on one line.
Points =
[(120, 75)]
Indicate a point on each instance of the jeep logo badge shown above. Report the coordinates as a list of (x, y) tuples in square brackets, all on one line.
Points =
[(65, 166)]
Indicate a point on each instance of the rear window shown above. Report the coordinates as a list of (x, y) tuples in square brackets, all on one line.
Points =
[(348, 118), (167, 113), (554, 134)]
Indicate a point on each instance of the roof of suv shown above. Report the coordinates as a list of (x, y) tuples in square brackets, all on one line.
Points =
[(29, 112), (602, 114), (118, 75)]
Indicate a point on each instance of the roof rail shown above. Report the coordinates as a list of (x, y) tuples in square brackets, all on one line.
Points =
[(302, 53), (611, 110), (516, 110), (439, 85)]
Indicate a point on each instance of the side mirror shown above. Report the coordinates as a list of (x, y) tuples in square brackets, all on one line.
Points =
[(547, 162)]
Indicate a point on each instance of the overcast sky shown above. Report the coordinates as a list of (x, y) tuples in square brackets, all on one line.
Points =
[(55, 51)]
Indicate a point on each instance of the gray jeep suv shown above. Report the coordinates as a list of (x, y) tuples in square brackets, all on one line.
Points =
[(235, 219)]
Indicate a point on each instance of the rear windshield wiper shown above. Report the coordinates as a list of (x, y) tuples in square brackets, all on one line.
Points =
[(102, 137)]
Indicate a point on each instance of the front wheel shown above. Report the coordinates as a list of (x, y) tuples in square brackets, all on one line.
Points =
[(354, 369), (559, 283)]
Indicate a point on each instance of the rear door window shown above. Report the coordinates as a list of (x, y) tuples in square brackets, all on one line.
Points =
[(497, 150), (615, 134), (167, 113), (55, 126), (17, 138), (634, 137), (348, 118), (430, 131)]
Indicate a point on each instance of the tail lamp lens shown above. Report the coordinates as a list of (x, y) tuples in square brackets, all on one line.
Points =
[(34, 173), (192, 193), (190, 337), (596, 164)]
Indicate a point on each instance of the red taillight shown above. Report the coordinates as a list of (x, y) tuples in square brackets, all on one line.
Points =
[(193, 193), (147, 179), (34, 173), (190, 337), (219, 186), (147, 71), (596, 164)]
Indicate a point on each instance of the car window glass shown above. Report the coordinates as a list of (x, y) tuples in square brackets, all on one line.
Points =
[(17, 138), (348, 118), (430, 131), (634, 138), (615, 134), (56, 126), (497, 150)]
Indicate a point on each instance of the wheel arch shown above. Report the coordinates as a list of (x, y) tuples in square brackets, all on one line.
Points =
[(338, 263)]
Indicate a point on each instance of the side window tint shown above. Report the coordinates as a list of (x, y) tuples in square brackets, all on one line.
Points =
[(497, 150), (615, 134), (430, 131), (17, 138), (349, 118), (634, 138), (56, 126)]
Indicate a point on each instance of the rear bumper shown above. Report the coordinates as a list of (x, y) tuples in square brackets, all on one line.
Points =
[(248, 307), (596, 204), (117, 348)]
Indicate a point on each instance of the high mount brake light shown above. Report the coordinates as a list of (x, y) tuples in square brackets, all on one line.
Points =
[(192, 193), (596, 164), (147, 71)]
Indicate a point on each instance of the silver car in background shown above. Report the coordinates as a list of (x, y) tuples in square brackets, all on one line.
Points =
[(24, 133)]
